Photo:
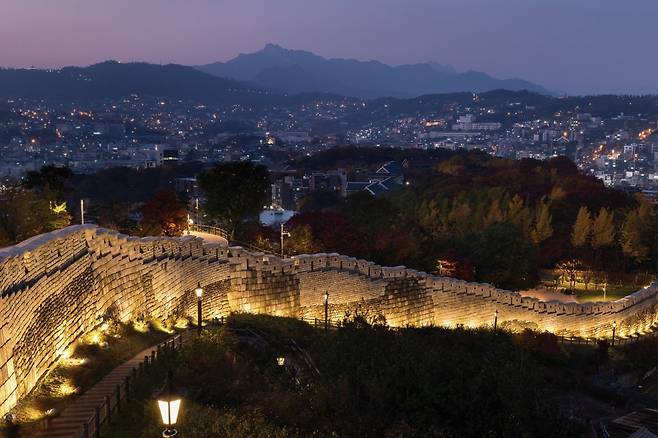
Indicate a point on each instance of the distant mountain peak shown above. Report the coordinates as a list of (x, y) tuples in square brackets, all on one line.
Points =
[(297, 71), (274, 47)]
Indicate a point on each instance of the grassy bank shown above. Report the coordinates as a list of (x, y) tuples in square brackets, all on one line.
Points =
[(359, 381)]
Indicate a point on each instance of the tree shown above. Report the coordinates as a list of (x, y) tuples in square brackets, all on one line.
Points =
[(582, 228), (25, 213), (557, 194), (164, 215), (543, 228), (235, 192), (569, 270), (301, 241), (114, 215), (370, 214), (632, 237), (53, 177), (503, 257), (520, 215), (495, 214), (603, 229), (460, 216), (331, 232), (319, 200)]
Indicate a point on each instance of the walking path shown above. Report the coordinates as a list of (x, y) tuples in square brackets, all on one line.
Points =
[(210, 238), (69, 423)]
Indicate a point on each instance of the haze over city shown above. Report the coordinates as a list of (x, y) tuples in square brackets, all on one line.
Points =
[(574, 47)]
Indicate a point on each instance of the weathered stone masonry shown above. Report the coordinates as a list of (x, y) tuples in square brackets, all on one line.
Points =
[(57, 287)]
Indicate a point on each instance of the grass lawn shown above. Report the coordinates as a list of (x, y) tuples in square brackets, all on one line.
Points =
[(595, 293), (89, 361), (612, 294)]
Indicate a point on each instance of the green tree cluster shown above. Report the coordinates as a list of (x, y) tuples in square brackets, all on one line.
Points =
[(235, 192)]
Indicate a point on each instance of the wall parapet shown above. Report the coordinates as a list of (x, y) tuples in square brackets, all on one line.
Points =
[(56, 287)]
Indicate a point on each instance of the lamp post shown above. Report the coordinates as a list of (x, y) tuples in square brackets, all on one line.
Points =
[(199, 294), (326, 311), (614, 330), (283, 234), (495, 320), (169, 402), (196, 206)]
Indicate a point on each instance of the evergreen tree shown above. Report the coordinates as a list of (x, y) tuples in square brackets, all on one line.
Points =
[(645, 213), (543, 227), (603, 229), (495, 214), (582, 228), (460, 216), (521, 216), (514, 209)]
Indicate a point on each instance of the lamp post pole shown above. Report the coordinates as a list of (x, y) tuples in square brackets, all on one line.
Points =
[(614, 330), (199, 294), (196, 206), (283, 234), (495, 320), (326, 311)]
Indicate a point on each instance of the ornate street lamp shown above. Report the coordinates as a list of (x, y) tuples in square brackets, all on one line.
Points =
[(169, 403), (199, 294), (495, 320), (326, 311)]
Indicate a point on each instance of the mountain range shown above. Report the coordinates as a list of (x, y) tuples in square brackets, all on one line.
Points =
[(295, 71), (112, 79), (271, 75)]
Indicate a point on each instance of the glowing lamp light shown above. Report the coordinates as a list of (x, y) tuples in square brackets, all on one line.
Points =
[(169, 404), (326, 297), (198, 291), (281, 361)]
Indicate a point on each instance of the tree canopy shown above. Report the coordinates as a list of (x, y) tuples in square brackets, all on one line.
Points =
[(234, 192)]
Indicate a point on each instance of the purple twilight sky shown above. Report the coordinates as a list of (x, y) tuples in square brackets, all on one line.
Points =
[(576, 46)]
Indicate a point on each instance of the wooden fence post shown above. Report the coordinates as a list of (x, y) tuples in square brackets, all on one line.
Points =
[(97, 421), (118, 398), (108, 409)]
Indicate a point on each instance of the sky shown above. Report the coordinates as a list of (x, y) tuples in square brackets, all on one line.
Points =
[(570, 46)]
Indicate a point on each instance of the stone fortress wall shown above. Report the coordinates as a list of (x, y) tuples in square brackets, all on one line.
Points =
[(58, 287)]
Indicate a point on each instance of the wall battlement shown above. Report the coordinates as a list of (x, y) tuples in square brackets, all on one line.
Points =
[(57, 287)]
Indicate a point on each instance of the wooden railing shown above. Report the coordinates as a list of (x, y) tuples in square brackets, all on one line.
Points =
[(113, 401), (215, 231), (577, 340)]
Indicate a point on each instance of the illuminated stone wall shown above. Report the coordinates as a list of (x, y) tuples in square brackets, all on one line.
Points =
[(59, 286)]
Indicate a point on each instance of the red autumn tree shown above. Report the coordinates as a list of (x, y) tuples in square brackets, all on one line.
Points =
[(164, 215)]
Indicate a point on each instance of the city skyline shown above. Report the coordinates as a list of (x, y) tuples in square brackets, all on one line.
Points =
[(576, 48)]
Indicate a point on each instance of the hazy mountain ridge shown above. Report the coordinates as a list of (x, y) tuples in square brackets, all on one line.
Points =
[(112, 79), (296, 71)]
